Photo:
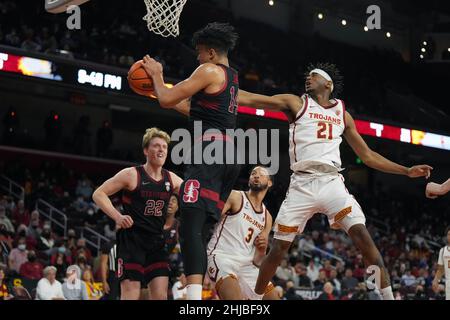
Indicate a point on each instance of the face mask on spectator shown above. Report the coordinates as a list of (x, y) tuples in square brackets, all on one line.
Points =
[(22, 247), (90, 212), (62, 250)]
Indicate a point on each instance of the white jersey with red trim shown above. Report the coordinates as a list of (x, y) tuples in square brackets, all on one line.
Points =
[(235, 233), (315, 136)]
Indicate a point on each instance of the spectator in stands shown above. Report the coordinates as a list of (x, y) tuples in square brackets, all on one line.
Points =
[(321, 280), (34, 228), (285, 272), (313, 268), (81, 260), (80, 204), (5, 246), (61, 263), (305, 244), (82, 250), (92, 217), (18, 256), (32, 269), (93, 289), (63, 253), (74, 288), (301, 279), (340, 269), (48, 288), (84, 187), (327, 268), (290, 293), (5, 287), (71, 240), (348, 281), (408, 280), (335, 282), (46, 240), (359, 268), (4, 220), (21, 215), (327, 293)]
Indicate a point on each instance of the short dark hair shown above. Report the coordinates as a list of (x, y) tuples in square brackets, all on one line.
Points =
[(218, 36), (333, 71), (271, 177)]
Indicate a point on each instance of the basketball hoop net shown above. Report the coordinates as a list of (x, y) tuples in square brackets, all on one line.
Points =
[(163, 15)]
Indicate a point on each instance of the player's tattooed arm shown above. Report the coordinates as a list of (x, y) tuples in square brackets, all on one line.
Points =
[(233, 203), (204, 76), (122, 180), (262, 241), (376, 161)]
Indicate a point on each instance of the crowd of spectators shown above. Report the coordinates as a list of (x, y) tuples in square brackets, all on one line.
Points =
[(322, 262)]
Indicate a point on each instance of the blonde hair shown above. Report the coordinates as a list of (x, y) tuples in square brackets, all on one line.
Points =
[(154, 133)]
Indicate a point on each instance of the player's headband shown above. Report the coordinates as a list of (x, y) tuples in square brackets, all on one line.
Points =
[(323, 74)]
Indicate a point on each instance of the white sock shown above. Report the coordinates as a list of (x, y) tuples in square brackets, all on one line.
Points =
[(387, 294), (194, 292)]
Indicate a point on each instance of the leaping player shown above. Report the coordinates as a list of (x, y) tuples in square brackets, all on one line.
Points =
[(318, 121), (240, 241)]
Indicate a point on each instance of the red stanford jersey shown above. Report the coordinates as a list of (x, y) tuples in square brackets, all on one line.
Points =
[(147, 204)]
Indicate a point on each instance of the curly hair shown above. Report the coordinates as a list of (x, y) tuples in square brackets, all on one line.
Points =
[(218, 36), (333, 71)]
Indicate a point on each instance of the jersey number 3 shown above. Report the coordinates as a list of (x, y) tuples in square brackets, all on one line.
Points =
[(321, 132), (154, 208), (249, 235)]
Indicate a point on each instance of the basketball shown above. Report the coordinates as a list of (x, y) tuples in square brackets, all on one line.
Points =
[(139, 80)]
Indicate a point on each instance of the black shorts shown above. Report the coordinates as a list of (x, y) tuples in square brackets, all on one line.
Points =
[(208, 187), (140, 257)]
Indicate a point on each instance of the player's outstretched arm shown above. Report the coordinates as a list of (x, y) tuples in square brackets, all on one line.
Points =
[(375, 160), (111, 186), (433, 190), (262, 241), (201, 78), (288, 103)]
